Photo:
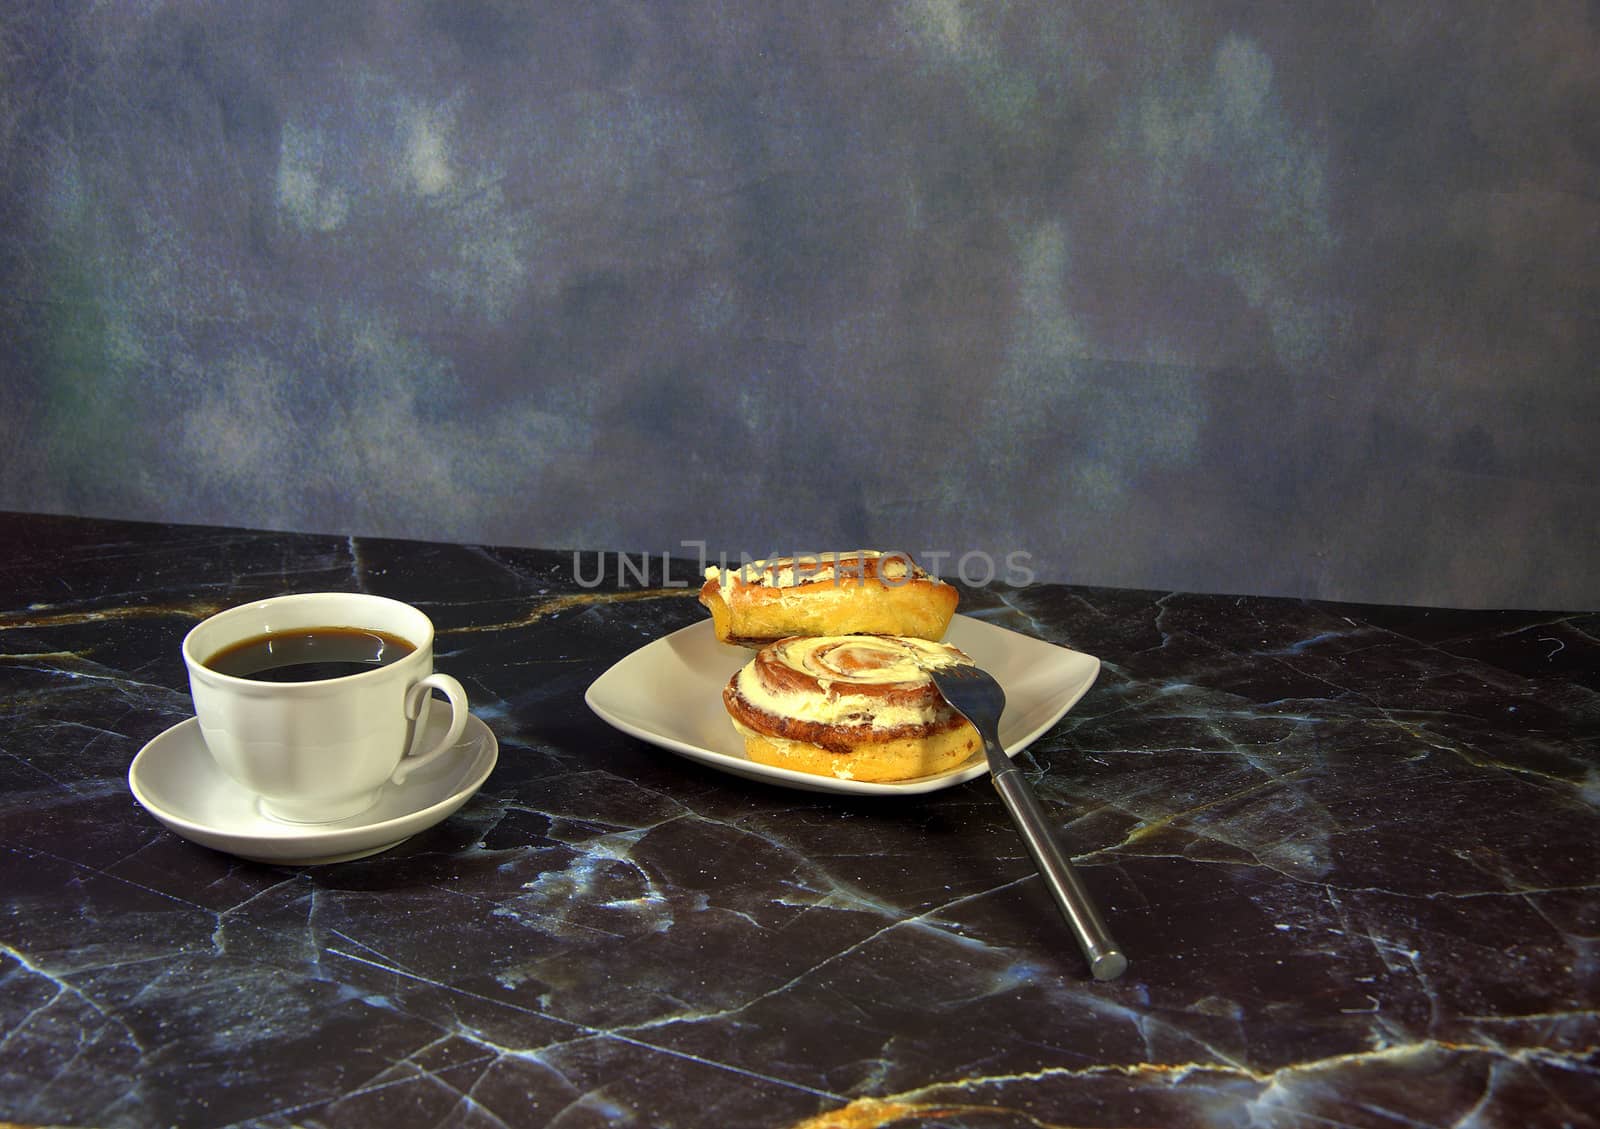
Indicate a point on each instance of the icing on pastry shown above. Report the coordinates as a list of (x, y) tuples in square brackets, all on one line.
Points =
[(836, 691)]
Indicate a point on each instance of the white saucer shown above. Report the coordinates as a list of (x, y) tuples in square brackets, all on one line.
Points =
[(669, 692), (176, 781)]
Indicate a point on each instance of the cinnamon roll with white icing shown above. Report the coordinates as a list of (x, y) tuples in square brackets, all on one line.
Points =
[(854, 593), (857, 707)]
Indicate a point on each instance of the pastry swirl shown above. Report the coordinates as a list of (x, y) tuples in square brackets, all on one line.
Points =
[(856, 707), (850, 593)]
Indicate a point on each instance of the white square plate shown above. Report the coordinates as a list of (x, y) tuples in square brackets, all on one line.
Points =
[(669, 693)]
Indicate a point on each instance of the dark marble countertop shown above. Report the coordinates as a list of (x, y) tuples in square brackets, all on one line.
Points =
[(1350, 851)]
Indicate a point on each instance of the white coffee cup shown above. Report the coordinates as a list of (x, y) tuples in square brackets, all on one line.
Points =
[(321, 750)]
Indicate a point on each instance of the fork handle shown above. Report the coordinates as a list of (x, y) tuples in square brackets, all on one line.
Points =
[(1106, 961)]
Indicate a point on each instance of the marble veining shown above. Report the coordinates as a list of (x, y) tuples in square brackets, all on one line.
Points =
[(1350, 850)]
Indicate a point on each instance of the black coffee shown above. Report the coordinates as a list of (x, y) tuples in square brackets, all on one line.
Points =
[(309, 655)]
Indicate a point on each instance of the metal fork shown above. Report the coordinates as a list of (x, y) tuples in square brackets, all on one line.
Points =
[(974, 694)]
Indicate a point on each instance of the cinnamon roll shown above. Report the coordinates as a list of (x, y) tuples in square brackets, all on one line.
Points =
[(856, 593), (858, 707)]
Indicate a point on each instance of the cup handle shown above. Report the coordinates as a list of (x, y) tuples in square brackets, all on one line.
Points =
[(416, 698)]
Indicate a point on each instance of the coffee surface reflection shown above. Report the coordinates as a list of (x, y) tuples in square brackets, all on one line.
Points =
[(312, 654)]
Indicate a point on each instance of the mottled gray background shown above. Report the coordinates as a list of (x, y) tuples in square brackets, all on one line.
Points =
[(1274, 297)]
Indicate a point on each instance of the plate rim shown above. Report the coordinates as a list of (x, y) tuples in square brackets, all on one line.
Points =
[(596, 694)]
